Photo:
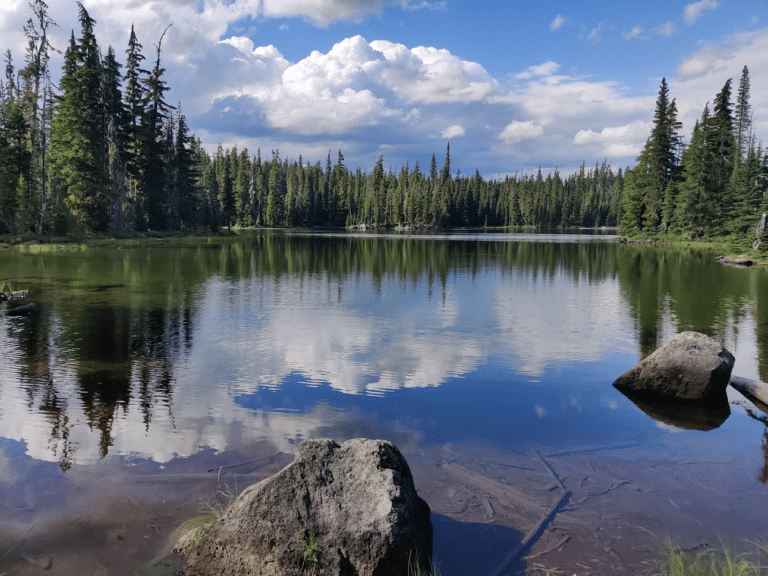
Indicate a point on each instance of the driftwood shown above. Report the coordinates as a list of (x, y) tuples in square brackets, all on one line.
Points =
[(754, 388), (13, 295)]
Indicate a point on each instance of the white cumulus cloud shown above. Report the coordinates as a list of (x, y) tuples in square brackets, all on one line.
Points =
[(693, 10), (516, 131), (616, 141), (453, 132), (546, 69), (703, 73)]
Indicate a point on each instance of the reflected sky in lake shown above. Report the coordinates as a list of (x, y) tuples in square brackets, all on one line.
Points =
[(160, 351)]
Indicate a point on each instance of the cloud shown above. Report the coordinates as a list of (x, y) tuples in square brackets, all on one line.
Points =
[(442, 5), (700, 75), (517, 131), (545, 69), (557, 23), (432, 75), (612, 133), (453, 132), (634, 33), (702, 62), (322, 12), (616, 141), (693, 10), (594, 34), (356, 84), (666, 29)]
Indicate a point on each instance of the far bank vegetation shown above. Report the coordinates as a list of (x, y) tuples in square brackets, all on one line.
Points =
[(105, 151)]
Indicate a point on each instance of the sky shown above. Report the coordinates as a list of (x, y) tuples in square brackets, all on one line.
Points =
[(513, 86)]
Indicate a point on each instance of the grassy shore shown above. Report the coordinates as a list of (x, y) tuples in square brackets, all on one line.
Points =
[(733, 248), (730, 247), (711, 562)]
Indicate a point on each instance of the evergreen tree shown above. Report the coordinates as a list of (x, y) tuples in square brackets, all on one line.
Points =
[(15, 162), (36, 77), (133, 99), (695, 211), (742, 117), (185, 175), (647, 183), (78, 151), (227, 197), (152, 159)]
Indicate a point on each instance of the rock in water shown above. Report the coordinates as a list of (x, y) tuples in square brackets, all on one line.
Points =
[(692, 367), (355, 504)]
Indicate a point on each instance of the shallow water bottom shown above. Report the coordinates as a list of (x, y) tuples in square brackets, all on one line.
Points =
[(494, 510)]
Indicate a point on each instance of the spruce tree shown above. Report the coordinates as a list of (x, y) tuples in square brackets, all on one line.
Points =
[(695, 211), (646, 185), (152, 160), (742, 124), (78, 143), (133, 99)]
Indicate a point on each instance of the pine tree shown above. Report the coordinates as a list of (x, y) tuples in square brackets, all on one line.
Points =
[(133, 99), (78, 147), (742, 117), (15, 162), (185, 174), (722, 155), (152, 159), (226, 192), (36, 77), (694, 211), (647, 184)]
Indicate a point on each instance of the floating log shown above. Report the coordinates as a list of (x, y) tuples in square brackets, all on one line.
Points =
[(14, 295), (754, 388)]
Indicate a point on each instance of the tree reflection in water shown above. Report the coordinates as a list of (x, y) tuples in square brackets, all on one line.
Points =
[(118, 324)]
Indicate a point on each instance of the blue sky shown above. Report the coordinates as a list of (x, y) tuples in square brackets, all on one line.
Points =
[(513, 86)]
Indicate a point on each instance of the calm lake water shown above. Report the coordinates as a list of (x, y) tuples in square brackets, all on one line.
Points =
[(156, 373)]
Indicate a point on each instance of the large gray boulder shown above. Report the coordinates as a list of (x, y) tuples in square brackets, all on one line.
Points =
[(341, 510), (692, 367)]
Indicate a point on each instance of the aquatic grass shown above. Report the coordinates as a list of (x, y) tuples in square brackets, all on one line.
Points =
[(415, 569), (192, 530), (709, 562)]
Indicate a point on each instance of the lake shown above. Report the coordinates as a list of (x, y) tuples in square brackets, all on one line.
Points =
[(158, 376)]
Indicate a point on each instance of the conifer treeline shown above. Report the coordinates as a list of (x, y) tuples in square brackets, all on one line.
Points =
[(107, 152), (275, 192), (711, 187)]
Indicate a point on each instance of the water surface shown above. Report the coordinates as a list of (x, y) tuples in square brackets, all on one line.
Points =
[(487, 358)]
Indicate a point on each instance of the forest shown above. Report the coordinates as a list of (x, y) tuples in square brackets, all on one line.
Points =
[(107, 152), (713, 186)]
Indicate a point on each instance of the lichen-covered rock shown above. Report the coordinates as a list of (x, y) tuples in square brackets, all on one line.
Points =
[(340, 510), (691, 367)]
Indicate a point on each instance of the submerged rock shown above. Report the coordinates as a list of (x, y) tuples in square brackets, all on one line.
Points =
[(692, 367), (24, 310), (341, 510)]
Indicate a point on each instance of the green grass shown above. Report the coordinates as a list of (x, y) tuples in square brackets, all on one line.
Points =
[(311, 551), (711, 562), (192, 530)]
